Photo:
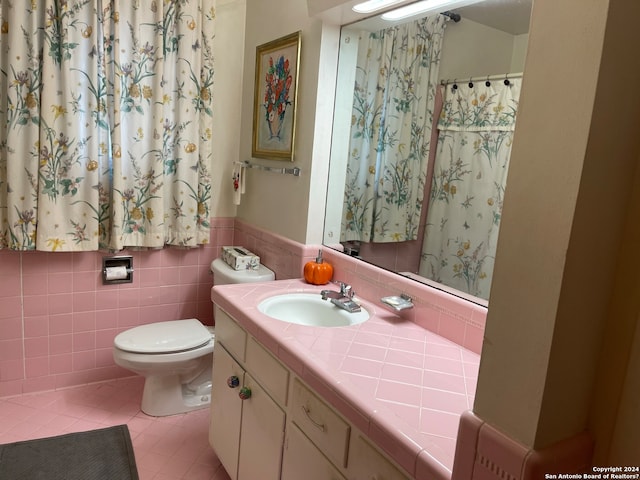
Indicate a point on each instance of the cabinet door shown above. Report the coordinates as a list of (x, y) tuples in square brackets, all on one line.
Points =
[(262, 435), (226, 410), (366, 463), (301, 459)]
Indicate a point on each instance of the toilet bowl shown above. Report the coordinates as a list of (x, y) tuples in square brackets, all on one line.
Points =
[(176, 357)]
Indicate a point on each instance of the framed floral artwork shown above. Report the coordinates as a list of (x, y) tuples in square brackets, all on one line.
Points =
[(274, 105)]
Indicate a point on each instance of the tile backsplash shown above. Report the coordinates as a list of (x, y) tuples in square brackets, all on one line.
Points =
[(58, 321), (449, 316)]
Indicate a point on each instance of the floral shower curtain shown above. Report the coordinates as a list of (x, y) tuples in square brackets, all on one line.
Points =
[(472, 159), (396, 80), (106, 141)]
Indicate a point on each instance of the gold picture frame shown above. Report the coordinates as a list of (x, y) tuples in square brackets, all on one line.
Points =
[(275, 98)]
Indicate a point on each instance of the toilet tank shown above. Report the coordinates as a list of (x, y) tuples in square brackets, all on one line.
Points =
[(223, 274)]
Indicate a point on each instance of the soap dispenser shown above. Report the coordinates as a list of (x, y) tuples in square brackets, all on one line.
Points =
[(318, 272)]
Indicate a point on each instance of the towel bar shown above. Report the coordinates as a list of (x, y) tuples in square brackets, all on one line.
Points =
[(295, 171)]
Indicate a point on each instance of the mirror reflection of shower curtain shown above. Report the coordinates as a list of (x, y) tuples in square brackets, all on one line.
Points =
[(465, 203), (396, 79)]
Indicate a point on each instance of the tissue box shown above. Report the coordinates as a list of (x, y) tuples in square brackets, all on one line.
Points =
[(239, 258)]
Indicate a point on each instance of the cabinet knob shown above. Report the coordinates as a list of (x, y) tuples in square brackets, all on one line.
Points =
[(233, 381), (245, 392)]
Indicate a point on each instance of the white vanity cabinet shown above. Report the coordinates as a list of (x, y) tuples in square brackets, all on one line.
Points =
[(247, 425), (302, 460), (226, 417), (336, 443), (367, 463), (249, 435)]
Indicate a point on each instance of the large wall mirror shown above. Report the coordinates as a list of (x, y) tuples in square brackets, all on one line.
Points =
[(423, 123)]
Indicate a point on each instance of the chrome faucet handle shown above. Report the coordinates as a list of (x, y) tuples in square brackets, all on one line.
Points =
[(346, 290)]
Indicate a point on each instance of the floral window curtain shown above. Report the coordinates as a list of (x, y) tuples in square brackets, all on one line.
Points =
[(107, 138), (396, 78), (470, 173)]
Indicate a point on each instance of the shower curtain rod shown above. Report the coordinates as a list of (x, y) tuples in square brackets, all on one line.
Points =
[(479, 78), (452, 16)]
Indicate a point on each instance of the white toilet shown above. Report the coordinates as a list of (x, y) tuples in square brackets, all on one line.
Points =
[(176, 357)]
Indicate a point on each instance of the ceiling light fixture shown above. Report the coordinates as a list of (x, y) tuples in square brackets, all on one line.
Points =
[(374, 5), (426, 6)]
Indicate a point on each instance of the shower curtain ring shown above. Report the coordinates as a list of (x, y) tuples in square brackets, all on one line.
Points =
[(455, 85), (470, 82), (506, 80), (487, 83)]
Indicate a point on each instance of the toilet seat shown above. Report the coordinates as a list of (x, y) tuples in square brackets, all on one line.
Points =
[(164, 337)]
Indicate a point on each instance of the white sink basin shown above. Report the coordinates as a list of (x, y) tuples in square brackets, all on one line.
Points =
[(309, 309)]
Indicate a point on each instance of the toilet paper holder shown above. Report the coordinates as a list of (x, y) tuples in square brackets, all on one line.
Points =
[(117, 269)]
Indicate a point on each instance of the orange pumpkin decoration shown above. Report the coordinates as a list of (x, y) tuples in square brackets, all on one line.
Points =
[(318, 272)]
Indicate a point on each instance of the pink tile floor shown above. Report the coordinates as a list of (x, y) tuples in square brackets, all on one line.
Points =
[(166, 448)]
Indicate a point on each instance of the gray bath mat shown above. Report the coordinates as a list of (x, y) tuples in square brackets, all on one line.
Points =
[(101, 454)]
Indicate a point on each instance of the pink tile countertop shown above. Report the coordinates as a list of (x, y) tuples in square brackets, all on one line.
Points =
[(400, 384)]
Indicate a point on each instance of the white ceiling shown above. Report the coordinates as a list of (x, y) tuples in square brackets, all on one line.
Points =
[(511, 16)]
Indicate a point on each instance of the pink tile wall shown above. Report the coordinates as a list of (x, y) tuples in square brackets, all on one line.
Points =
[(401, 257), (450, 317), (285, 257), (485, 453), (58, 322)]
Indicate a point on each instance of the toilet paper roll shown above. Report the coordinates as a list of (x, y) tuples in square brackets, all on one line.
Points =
[(116, 273)]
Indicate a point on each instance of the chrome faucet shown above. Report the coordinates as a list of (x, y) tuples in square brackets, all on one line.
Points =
[(345, 291), (342, 299)]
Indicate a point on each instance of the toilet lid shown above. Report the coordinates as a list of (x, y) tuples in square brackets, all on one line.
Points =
[(164, 337)]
